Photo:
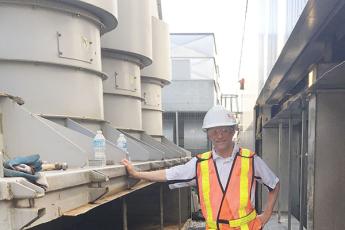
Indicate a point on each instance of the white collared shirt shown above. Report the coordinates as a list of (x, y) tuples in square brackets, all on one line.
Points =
[(262, 173)]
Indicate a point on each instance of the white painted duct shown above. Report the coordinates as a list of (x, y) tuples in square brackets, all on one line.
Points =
[(154, 77), (55, 63), (124, 51)]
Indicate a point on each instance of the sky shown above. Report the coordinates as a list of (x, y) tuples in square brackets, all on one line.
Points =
[(224, 18)]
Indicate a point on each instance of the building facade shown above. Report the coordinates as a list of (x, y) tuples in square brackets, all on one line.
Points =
[(194, 89)]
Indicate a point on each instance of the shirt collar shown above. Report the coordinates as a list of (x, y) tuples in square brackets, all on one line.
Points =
[(234, 151)]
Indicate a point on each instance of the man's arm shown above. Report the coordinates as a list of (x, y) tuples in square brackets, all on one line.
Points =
[(272, 197), (157, 176)]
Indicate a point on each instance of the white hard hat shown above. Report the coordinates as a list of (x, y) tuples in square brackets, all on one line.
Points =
[(218, 116)]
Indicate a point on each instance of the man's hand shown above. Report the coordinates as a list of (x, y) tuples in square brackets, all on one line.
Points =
[(130, 168), (264, 218), (157, 176), (271, 200)]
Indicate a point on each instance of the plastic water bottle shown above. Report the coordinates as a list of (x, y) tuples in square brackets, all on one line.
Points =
[(122, 144), (99, 147)]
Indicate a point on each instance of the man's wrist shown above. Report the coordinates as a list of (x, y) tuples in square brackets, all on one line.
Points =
[(137, 174), (267, 213)]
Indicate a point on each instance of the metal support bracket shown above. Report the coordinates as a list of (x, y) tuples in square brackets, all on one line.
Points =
[(98, 177), (24, 190), (23, 217), (97, 193)]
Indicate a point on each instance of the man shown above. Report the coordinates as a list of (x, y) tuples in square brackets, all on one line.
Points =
[(225, 177)]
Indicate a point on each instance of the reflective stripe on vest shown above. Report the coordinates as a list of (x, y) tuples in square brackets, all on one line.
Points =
[(212, 196), (206, 189), (244, 186), (243, 220)]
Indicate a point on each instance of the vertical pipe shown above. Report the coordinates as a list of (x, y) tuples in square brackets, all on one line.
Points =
[(179, 209), (280, 142), (1, 165), (176, 128), (1, 147), (312, 123), (290, 172), (124, 213), (161, 206), (237, 103), (191, 202), (301, 169)]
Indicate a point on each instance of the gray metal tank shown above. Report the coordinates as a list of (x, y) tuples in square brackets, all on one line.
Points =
[(55, 63), (124, 51), (154, 77)]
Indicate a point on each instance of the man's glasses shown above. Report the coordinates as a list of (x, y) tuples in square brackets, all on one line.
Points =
[(220, 130)]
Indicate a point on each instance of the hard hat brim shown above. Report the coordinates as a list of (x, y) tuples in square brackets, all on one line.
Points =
[(205, 127)]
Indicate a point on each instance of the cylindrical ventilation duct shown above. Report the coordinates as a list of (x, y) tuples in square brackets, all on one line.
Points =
[(154, 77), (152, 106), (50, 54), (124, 51)]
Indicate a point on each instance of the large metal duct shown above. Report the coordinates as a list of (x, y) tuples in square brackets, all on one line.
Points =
[(124, 51), (50, 54), (154, 77)]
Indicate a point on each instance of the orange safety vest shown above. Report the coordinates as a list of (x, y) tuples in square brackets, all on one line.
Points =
[(229, 208)]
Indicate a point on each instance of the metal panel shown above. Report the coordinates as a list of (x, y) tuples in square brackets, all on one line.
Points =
[(105, 10), (189, 95), (302, 171), (22, 127), (181, 69), (312, 120), (152, 122), (122, 94), (91, 125), (295, 172), (270, 151), (59, 59), (138, 151), (57, 91), (280, 148), (123, 77), (168, 128), (22, 40), (151, 106), (194, 138), (134, 34), (151, 91), (38, 135), (161, 62), (193, 45), (301, 50), (290, 173), (182, 151), (169, 153), (329, 205), (123, 112)]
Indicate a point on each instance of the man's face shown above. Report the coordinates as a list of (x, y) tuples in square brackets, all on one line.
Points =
[(221, 137)]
